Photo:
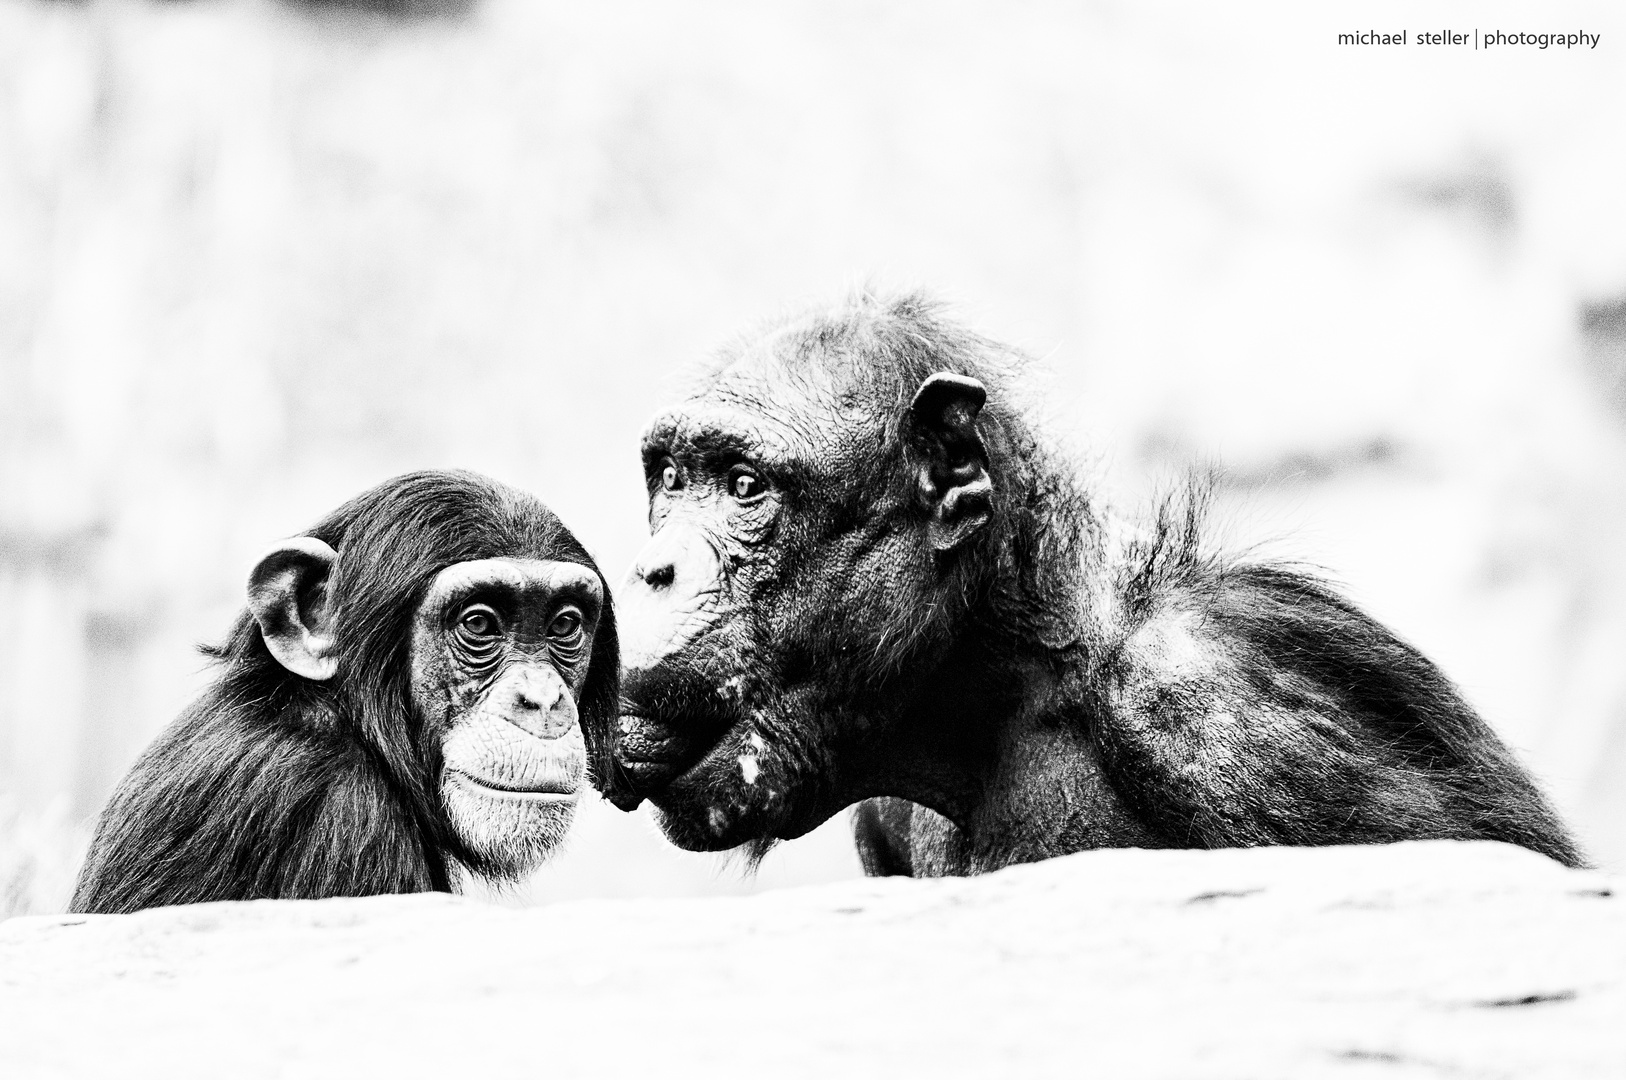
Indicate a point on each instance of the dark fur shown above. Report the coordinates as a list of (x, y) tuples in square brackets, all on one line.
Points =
[(1049, 687), (1369, 741), (271, 785)]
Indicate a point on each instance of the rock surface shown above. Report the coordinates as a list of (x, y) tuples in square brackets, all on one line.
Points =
[(1426, 959)]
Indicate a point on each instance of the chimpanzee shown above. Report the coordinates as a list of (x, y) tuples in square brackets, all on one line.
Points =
[(401, 696), (871, 578)]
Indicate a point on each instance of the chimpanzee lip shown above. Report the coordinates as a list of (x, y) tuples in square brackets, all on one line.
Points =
[(553, 793), (680, 761)]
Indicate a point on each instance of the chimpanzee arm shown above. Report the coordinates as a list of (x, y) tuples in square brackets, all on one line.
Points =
[(897, 838), (881, 830), (1251, 705)]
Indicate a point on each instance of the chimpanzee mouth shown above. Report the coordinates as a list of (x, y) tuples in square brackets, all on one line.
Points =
[(673, 717), (650, 754), (548, 792)]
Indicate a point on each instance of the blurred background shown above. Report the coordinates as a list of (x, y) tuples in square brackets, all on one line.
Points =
[(256, 256)]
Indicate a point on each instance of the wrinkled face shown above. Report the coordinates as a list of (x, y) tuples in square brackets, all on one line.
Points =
[(500, 652), (755, 618)]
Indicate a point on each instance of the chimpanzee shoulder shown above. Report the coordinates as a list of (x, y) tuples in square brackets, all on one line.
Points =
[(229, 804), (1242, 703)]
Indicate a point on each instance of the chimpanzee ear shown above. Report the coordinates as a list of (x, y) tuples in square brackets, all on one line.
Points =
[(953, 484), (287, 594)]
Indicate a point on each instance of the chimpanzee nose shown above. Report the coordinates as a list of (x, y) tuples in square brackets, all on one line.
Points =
[(539, 702), (658, 573), (673, 593)]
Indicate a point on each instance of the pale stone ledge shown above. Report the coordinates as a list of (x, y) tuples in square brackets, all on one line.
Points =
[(1433, 959)]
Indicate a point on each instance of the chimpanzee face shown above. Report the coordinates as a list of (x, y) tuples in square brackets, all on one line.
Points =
[(500, 651), (797, 519), (707, 731), (458, 642)]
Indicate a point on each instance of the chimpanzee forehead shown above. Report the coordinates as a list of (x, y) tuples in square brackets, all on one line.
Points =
[(541, 578), (786, 367), (758, 407), (716, 427)]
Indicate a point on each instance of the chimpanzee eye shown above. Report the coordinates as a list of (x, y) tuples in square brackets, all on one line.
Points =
[(669, 477), (566, 624), (745, 485), (479, 623)]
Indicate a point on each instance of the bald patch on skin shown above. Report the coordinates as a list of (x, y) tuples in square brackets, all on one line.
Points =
[(1174, 644), (1187, 693)]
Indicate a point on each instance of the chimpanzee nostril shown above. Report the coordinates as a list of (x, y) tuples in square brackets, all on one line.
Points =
[(660, 575), (672, 591), (538, 702), (531, 691)]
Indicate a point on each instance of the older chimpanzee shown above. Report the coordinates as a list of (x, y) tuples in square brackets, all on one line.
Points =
[(869, 576), (401, 695)]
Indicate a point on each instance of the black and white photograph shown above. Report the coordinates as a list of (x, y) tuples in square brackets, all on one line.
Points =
[(865, 538)]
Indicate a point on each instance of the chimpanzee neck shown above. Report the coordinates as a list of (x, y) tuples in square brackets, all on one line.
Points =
[(1043, 552), (1004, 751), (998, 738)]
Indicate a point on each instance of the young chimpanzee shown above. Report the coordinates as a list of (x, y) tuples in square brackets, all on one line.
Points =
[(872, 578), (402, 694)]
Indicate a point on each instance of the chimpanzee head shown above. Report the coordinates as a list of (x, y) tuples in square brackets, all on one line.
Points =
[(826, 513), (456, 631)]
